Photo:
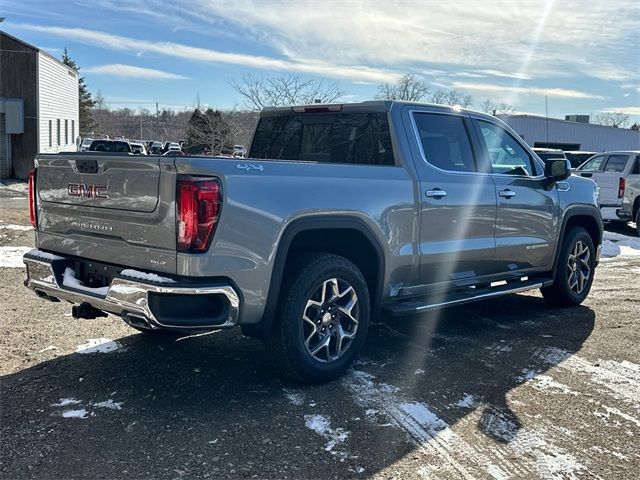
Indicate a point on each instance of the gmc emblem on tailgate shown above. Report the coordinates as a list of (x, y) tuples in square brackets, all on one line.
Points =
[(87, 191)]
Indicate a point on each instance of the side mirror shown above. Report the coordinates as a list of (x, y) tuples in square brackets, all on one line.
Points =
[(557, 169)]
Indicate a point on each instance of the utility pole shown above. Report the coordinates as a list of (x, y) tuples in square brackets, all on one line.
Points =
[(157, 123), (546, 110)]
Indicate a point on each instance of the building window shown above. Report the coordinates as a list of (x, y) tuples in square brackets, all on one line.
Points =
[(66, 132), (50, 133), (58, 130), (73, 131)]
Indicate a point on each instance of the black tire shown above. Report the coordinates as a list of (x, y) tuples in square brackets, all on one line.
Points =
[(561, 293), (310, 274), (637, 219)]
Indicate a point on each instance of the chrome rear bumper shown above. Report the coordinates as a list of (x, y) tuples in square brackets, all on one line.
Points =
[(127, 298)]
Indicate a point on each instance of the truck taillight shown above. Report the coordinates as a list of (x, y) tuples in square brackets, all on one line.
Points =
[(32, 198), (621, 185), (199, 201)]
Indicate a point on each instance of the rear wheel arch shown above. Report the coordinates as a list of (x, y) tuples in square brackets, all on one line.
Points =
[(346, 236)]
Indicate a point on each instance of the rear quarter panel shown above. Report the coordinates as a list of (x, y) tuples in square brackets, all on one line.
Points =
[(260, 203)]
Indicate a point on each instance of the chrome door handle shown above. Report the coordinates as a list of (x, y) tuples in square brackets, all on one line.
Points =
[(437, 193), (507, 193)]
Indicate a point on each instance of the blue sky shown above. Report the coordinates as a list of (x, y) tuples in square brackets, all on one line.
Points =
[(583, 55)]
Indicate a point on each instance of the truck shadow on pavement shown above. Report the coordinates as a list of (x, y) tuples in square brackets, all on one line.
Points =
[(212, 406)]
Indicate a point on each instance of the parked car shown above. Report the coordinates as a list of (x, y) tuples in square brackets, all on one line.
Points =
[(318, 231), (547, 153), (174, 146), (110, 146), (86, 143), (578, 157), (618, 176), (156, 148), (239, 151), (138, 148)]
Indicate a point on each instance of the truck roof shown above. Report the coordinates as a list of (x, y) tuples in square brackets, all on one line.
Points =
[(367, 106)]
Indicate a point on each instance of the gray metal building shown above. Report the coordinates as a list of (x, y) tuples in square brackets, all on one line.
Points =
[(38, 106), (568, 135)]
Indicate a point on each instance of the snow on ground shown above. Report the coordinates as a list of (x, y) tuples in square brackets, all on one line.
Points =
[(12, 226), (12, 256), (617, 244), (98, 345), (322, 426), (18, 186), (110, 404), (81, 413), (65, 402)]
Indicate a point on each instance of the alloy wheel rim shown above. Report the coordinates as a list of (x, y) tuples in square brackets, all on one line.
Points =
[(578, 267), (330, 320)]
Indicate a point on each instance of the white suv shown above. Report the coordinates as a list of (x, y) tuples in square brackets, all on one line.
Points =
[(618, 176)]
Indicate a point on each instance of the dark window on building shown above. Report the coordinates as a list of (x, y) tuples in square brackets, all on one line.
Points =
[(66, 132), (616, 163), (73, 131), (357, 138), (507, 156), (50, 133), (445, 142), (58, 132)]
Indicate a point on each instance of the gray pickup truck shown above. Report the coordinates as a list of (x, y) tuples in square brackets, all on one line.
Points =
[(339, 213)]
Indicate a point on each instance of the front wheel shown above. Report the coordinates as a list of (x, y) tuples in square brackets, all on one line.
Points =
[(574, 273), (322, 319)]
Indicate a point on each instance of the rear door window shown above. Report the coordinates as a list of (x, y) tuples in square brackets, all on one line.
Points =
[(616, 163), (445, 142), (356, 138)]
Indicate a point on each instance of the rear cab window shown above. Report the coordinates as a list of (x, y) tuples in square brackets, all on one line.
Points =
[(351, 138)]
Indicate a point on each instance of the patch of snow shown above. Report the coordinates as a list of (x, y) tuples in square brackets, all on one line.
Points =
[(419, 371), (20, 186), (47, 349), (11, 257), (425, 417), (616, 244), (81, 413), (150, 277), (98, 345), (468, 401), (195, 335), (11, 226), (617, 412), (322, 426), (65, 402), (44, 255), (110, 404), (294, 398), (69, 280)]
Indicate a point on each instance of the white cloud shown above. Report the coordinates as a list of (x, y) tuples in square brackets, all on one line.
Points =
[(498, 73), (631, 110), (198, 54), (539, 91), (517, 40), (130, 71)]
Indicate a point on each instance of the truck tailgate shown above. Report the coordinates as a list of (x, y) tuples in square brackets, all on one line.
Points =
[(111, 208)]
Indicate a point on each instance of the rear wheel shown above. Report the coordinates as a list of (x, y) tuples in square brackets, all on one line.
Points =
[(574, 273), (322, 319)]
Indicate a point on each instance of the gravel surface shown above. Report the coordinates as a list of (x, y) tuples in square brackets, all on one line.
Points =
[(505, 389)]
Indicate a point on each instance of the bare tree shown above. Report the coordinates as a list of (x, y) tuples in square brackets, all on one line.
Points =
[(292, 89), (488, 106), (208, 130), (610, 119), (408, 87), (504, 109), (452, 97)]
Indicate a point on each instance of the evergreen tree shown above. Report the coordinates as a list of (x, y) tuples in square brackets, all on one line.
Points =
[(85, 102), (208, 131)]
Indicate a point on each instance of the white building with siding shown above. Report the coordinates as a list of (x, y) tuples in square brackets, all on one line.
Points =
[(38, 106), (567, 135)]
